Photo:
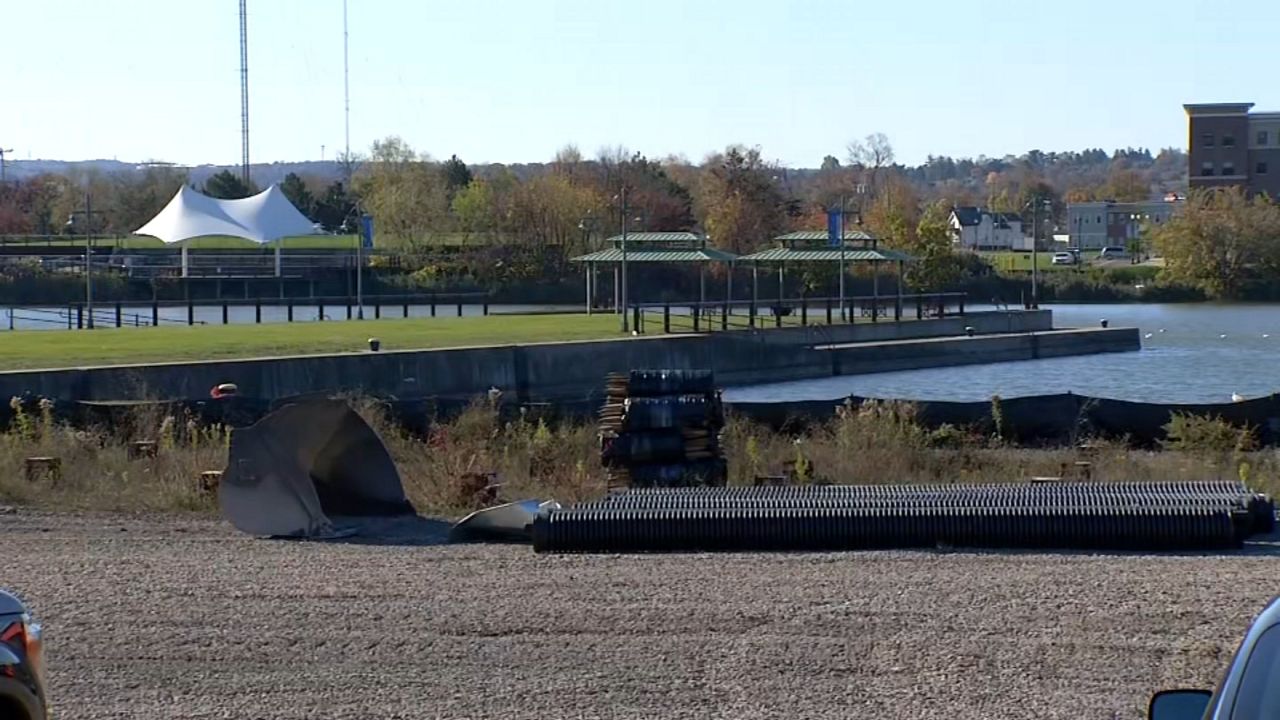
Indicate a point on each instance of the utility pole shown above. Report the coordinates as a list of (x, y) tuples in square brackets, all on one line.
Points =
[(625, 323), (88, 214), (2, 152), (244, 92)]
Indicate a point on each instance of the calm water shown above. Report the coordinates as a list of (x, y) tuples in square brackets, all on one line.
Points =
[(1191, 353)]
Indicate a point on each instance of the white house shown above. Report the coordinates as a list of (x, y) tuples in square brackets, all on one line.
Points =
[(979, 229)]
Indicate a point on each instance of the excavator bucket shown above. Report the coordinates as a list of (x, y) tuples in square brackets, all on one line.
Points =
[(302, 464)]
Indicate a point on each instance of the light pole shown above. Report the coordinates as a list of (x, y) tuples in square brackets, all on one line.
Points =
[(622, 197), (1035, 205), (588, 225), (88, 213)]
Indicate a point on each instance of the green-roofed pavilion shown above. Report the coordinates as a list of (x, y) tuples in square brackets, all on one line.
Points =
[(653, 247), (815, 246)]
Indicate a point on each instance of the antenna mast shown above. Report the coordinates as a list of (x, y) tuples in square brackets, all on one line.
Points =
[(244, 93), (346, 87)]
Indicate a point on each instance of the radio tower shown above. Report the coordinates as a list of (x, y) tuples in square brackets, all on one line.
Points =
[(244, 93)]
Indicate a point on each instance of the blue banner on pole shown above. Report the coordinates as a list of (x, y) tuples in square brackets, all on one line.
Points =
[(834, 232), (366, 231)]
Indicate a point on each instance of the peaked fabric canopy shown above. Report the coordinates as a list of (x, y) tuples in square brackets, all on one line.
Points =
[(261, 218)]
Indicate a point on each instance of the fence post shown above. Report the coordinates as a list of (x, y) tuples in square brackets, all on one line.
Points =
[(804, 312), (433, 305), (119, 315), (919, 306), (459, 309), (224, 312), (666, 318), (289, 310), (79, 317), (828, 311), (319, 310), (962, 305), (348, 308), (724, 317), (697, 320), (257, 310), (191, 312), (751, 314), (406, 309), (636, 315), (377, 310), (486, 306), (777, 315)]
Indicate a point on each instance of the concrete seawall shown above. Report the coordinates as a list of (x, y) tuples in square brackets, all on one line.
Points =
[(575, 370)]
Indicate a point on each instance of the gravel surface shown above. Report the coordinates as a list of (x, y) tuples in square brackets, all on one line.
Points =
[(176, 618)]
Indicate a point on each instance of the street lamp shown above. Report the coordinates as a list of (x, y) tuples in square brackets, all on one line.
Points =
[(588, 225), (1035, 205), (88, 212), (621, 198)]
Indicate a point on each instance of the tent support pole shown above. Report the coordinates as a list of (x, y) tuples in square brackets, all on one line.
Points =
[(278, 244), (186, 268)]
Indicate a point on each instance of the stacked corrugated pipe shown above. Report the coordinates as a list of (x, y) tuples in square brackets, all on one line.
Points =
[(1087, 516), (661, 428)]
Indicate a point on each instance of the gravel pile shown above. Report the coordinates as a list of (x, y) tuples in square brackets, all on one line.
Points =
[(178, 618)]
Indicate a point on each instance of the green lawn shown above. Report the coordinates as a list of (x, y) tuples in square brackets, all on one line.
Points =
[(71, 348), (1010, 261)]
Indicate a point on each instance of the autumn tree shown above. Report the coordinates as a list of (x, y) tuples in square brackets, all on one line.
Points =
[(1127, 185), (871, 156), (743, 206), (1219, 240), (936, 265), (404, 192), (455, 174)]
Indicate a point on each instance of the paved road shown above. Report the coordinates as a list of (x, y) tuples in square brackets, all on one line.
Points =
[(180, 618)]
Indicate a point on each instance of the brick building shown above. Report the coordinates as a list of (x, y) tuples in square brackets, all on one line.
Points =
[(1228, 144)]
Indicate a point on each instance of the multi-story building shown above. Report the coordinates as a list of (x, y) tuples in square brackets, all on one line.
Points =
[(979, 229), (1231, 145), (1094, 225)]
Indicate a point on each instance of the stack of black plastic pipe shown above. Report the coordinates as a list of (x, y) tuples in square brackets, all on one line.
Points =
[(1089, 516), (661, 428)]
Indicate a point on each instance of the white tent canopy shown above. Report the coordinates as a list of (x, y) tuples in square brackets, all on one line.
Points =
[(261, 218)]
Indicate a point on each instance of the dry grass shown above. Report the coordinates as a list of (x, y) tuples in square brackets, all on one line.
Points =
[(872, 443)]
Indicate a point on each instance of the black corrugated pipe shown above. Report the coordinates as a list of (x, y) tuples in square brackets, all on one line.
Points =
[(725, 529)]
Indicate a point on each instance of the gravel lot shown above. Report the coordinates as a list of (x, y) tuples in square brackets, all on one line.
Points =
[(177, 618)]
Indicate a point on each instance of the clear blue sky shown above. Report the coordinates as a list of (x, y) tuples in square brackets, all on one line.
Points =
[(512, 81)]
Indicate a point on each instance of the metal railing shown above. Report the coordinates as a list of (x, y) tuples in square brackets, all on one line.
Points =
[(147, 314), (797, 312)]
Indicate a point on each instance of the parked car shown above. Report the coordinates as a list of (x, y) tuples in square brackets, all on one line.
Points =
[(1064, 258), (1112, 253), (1248, 691), (22, 694)]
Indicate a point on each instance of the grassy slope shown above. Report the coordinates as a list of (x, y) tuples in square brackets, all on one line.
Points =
[(51, 348)]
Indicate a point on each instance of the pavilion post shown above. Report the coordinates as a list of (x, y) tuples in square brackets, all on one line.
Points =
[(897, 309), (728, 293), (278, 244), (186, 268), (875, 291), (617, 291), (755, 290), (586, 270), (702, 284)]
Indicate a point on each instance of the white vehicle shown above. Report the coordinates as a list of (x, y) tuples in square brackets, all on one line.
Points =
[(1064, 258), (1112, 253)]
